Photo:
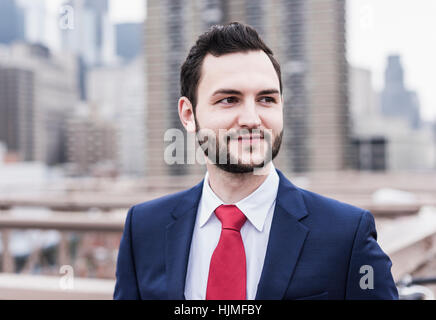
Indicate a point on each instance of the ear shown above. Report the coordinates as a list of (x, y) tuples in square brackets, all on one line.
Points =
[(186, 114)]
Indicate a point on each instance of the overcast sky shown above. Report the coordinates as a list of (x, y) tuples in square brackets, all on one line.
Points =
[(377, 28), (127, 10)]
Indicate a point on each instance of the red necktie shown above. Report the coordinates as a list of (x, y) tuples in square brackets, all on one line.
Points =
[(227, 272)]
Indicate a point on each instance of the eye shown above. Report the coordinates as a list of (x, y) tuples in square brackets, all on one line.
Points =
[(228, 100), (267, 100)]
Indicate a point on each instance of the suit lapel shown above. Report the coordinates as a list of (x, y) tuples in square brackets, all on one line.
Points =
[(285, 242), (178, 242)]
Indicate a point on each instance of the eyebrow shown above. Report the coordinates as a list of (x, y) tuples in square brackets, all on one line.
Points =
[(236, 92)]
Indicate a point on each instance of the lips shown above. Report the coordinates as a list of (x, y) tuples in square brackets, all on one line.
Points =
[(250, 139), (246, 136), (256, 136)]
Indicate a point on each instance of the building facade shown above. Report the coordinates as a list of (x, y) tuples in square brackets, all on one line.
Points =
[(386, 141), (91, 142), (117, 92), (38, 90), (17, 109)]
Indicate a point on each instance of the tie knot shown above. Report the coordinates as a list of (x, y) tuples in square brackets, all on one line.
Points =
[(230, 216)]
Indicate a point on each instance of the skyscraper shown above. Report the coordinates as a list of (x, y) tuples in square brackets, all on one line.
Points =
[(396, 99), (129, 40), (37, 91), (11, 22), (91, 141), (308, 37), (385, 142), (369, 143), (17, 110), (92, 37), (35, 16), (117, 92)]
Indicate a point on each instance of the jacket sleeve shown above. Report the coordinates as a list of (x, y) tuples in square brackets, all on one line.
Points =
[(126, 287), (369, 272)]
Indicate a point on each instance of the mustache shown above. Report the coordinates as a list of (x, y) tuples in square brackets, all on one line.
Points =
[(207, 135)]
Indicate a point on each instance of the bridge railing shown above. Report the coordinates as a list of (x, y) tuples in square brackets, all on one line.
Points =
[(25, 285)]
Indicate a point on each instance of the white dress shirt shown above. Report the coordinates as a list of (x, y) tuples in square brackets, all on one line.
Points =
[(258, 207)]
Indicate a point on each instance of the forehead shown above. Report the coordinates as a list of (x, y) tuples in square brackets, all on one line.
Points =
[(251, 70)]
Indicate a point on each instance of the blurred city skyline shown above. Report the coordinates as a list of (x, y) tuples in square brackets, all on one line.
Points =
[(375, 30), (335, 57), (119, 12)]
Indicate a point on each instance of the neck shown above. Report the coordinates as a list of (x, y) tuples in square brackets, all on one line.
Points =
[(233, 187)]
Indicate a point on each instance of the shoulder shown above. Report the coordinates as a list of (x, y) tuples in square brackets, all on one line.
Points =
[(317, 202), (162, 208), (333, 217), (161, 204), (316, 206)]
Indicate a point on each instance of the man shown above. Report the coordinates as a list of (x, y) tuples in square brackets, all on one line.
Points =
[(245, 231)]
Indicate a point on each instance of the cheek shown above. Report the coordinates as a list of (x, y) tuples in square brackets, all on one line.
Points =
[(215, 119), (273, 121)]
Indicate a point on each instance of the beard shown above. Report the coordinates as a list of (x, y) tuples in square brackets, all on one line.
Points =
[(217, 150)]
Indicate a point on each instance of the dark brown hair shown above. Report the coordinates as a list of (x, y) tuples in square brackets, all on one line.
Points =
[(219, 40)]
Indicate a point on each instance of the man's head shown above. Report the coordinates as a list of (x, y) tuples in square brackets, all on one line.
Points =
[(231, 81), (217, 41)]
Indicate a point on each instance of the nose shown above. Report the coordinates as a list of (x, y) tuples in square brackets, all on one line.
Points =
[(248, 116)]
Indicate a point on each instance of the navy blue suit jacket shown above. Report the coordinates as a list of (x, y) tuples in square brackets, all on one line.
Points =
[(316, 249)]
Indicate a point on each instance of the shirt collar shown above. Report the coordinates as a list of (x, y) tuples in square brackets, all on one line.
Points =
[(255, 206)]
